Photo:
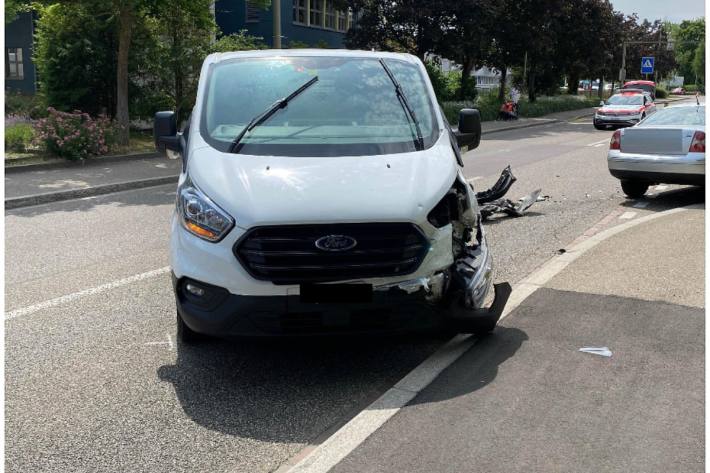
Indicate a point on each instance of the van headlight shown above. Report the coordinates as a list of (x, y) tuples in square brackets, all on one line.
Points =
[(199, 215)]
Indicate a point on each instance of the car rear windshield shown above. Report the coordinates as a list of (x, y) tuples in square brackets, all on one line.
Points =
[(683, 116), (625, 100), (353, 108)]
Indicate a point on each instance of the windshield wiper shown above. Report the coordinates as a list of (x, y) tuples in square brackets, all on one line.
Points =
[(266, 114), (418, 140)]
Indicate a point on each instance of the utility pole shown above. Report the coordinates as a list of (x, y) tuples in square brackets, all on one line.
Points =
[(622, 71), (276, 7)]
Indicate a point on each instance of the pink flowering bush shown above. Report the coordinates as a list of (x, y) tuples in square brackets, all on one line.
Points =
[(75, 135)]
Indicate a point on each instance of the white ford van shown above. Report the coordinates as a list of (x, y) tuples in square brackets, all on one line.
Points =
[(322, 193)]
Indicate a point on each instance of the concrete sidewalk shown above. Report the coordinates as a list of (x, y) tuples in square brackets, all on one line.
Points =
[(39, 186), (525, 399)]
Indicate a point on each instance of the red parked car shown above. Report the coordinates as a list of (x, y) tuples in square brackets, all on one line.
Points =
[(678, 91), (626, 108)]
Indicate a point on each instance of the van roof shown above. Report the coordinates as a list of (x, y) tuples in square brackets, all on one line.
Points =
[(261, 53)]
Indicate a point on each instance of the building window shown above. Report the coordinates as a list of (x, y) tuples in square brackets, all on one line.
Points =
[(321, 14), (300, 11), (316, 12), (15, 67), (342, 21), (252, 14), (330, 15)]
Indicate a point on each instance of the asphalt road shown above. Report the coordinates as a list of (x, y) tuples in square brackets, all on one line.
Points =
[(96, 381)]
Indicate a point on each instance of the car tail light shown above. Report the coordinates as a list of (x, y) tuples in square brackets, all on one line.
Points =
[(698, 143), (615, 140)]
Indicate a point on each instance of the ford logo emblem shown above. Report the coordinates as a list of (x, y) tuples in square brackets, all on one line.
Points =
[(335, 243)]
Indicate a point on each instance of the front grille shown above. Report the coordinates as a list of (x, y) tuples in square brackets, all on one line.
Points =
[(287, 254)]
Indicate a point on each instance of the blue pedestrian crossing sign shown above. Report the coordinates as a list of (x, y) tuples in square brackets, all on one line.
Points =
[(647, 65)]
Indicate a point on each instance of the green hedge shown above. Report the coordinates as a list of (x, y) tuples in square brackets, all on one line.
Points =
[(489, 106), (661, 93)]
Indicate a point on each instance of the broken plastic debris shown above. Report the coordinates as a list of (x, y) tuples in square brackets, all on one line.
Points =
[(601, 351), (491, 201)]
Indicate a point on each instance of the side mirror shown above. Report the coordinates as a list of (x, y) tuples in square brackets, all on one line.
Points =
[(601, 104), (469, 130), (165, 132)]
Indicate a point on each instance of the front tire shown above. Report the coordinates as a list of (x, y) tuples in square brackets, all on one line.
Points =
[(599, 127), (634, 189)]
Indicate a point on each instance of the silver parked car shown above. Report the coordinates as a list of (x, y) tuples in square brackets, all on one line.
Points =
[(667, 147)]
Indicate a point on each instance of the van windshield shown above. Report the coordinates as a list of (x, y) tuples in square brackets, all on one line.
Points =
[(352, 109)]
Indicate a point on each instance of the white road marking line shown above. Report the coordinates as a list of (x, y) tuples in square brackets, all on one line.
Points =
[(601, 142), (86, 292), (599, 145), (339, 445), (627, 215), (169, 342), (642, 204), (661, 188)]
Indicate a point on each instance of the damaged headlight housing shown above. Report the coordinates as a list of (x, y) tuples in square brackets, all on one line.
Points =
[(199, 215)]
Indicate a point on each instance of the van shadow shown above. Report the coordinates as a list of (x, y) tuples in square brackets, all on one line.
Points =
[(477, 368), (294, 390)]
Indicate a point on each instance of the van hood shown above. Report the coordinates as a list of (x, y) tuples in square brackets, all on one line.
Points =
[(269, 190)]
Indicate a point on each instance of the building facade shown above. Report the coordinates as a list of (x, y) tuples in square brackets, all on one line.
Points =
[(20, 73), (315, 23)]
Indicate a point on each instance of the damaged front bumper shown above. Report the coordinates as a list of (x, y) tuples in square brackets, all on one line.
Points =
[(453, 299)]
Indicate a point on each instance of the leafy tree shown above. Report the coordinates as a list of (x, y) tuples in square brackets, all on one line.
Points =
[(468, 36), (405, 26), (76, 58), (687, 37), (14, 8), (183, 29), (699, 65)]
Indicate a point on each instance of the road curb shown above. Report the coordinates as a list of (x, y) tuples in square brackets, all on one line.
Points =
[(37, 199), (335, 448), (19, 168)]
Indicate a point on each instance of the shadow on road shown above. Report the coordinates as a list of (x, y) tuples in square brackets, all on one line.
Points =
[(669, 199), (477, 368), (288, 390)]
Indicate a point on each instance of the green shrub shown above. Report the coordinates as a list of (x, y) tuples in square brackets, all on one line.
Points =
[(560, 103), (447, 85), (239, 41), (75, 135), (661, 93), (489, 106), (691, 88), (31, 106), (18, 137)]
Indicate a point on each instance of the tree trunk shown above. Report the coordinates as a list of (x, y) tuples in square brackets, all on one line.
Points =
[(501, 86), (531, 85), (465, 73), (125, 32), (601, 88), (572, 83)]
